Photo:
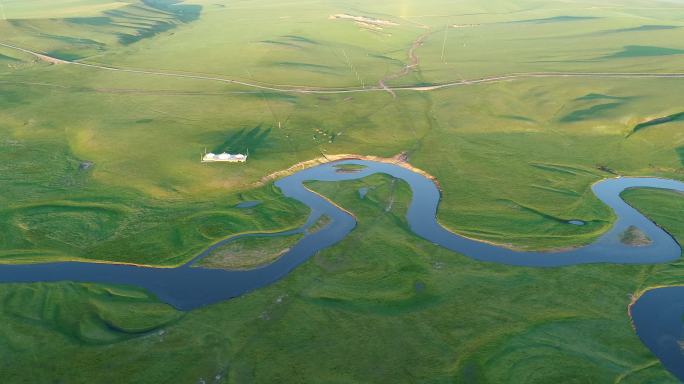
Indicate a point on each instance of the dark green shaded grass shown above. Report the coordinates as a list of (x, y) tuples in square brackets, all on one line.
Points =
[(73, 38), (588, 113), (68, 56), (631, 51), (135, 22), (253, 140), (518, 118), (282, 43), (318, 68), (77, 42), (546, 216), (88, 314), (10, 98), (161, 16), (564, 169), (556, 19), (186, 13), (659, 121), (130, 38), (300, 39), (599, 96), (94, 21), (645, 28), (8, 58)]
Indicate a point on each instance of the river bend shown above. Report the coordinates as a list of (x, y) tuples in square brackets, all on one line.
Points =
[(657, 316)]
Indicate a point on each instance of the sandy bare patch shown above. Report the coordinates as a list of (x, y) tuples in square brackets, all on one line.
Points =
[(364, 22)]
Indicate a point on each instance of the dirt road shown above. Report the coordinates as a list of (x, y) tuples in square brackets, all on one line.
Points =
[(382, 87)]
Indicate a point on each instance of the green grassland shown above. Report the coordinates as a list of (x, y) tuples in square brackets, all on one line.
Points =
[(54, 212), (104, 165), (543, 163), (380, 306), (39, 9)]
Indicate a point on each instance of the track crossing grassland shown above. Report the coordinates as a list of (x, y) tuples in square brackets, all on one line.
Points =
[(381, 88)]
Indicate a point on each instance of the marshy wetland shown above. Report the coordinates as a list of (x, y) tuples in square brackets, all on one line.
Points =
[(106, 108)]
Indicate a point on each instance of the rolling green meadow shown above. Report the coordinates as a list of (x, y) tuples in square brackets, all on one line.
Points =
[(102, 163)]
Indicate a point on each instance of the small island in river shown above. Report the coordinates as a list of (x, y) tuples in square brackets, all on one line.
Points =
[(634, 237)]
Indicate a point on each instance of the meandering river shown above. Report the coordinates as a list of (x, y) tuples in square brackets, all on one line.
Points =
[(657, 315)]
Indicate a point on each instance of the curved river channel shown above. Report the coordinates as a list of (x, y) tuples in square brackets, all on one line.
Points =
[(657, 315)]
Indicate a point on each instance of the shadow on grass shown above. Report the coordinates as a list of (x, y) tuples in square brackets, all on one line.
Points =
[(245, 139), (186, 13), (588, 113), (554, 19), (177, 13), (631, 51), (659, 121)]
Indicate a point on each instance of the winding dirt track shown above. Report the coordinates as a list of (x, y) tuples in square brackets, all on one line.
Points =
[(412, 65), (332, 90)]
